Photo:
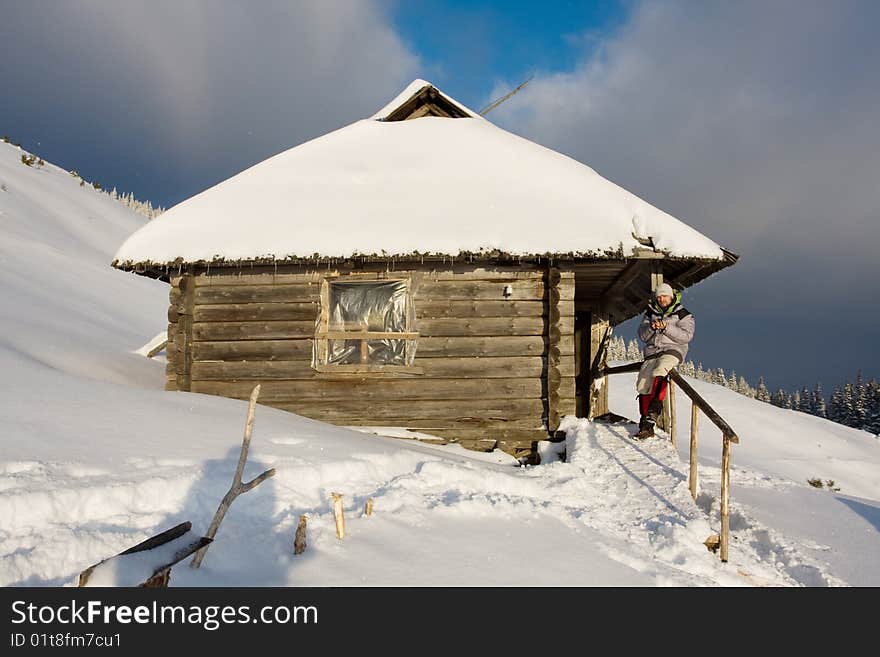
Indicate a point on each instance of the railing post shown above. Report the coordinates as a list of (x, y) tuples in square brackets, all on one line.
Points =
[(692, 481), (725, 497)]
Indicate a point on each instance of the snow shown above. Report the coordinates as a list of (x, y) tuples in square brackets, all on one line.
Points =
[(428, 186), (95, 457)]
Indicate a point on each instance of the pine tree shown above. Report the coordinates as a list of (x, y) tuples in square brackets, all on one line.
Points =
[(873, 424), (818, 401), (612, 350), (730, 381), (848, 414), (795, 401), (762, 394), (806, 398), (778, 398), (835, 406), (860, 403), (633, 352)]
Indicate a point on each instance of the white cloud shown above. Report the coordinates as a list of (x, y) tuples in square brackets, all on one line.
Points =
[(755, 122), (731, 115), (207, 85)]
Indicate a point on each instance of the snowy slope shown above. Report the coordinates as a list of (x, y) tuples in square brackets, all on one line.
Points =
[(95, 457)]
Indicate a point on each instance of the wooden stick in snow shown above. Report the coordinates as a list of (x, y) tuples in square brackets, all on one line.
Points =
[(299, 540), (695, 418), (725, 497), (368, 507), (337, 513), (237, 487), (155, 350), (672, 414)]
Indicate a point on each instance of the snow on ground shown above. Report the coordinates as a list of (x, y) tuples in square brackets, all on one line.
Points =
[(95, 457)]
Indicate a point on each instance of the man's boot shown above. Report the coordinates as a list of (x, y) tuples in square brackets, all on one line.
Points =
[(646, 429), (655, 410)]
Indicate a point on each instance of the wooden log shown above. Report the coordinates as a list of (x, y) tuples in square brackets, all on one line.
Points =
[(374, 266), (256, 312), (560, 288), (410, 413), (299, 293), (303, 274), (183, 338), (516, 367), (161, 574), (374, 391), (465, 436), (338, 515), (299, 540), (429, 347), (656, 274), (368, 507), (440, 308), (214, 331), (235, 350), (620, 369), (600, 333), (496, 272), (487, 326), (725, 499), (500, 290), (692, 479), (273, 276), (237, 487), (155, 350), (704, 406), (479, 444)]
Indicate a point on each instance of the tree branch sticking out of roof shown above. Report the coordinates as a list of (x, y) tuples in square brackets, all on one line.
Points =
[(488, 108)]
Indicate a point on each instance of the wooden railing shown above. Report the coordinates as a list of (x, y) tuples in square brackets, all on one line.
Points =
[(728, 436)]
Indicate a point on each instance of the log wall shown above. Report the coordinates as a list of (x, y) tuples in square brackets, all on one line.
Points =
[(495, 356)]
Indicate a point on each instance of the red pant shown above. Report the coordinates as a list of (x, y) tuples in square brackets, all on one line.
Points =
[(655, 397)]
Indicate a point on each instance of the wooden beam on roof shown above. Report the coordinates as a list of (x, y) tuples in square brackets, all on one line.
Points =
[(629, 273), (437, 105), (683, 279), (620, 300)]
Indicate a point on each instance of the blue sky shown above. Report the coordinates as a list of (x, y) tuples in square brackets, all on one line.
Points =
[(755, 122)]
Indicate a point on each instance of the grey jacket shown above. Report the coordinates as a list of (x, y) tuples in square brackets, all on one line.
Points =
[(675, 337)]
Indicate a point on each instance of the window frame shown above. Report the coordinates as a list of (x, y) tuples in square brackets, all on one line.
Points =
[(323, 334)]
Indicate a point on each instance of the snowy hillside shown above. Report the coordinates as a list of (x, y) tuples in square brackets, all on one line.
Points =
[(95, 457)]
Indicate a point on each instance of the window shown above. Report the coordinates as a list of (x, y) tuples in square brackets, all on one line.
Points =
[(365, 326)]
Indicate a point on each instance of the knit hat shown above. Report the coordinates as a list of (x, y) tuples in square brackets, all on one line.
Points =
[(664, 289)]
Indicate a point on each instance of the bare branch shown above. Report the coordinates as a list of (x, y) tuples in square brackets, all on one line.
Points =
[(237, 487), (493, 105)]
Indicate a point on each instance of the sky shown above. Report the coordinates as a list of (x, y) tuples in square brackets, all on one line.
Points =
[(754, 122)]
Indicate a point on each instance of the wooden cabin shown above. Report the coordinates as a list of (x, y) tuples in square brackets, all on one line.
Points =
[(420, 269)]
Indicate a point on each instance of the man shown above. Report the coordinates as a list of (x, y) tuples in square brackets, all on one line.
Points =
[(666, 330)]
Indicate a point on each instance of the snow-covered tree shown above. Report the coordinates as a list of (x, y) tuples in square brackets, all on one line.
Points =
[(633, 352), (762, 394), (818, 401)]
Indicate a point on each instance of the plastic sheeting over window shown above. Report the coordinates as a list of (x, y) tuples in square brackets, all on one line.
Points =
[(369, 311)]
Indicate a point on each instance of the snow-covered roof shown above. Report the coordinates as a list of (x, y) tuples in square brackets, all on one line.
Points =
[(425, 186)]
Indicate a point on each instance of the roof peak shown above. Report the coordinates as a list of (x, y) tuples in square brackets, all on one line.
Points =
[(422, 98)]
